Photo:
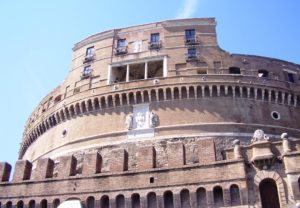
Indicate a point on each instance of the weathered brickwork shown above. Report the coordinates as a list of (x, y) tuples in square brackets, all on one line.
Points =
[(159, 116)]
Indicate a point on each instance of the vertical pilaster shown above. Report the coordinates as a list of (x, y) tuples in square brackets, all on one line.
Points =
[(127, 72)]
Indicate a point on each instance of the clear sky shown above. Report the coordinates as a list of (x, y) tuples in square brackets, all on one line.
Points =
[(36, 38)]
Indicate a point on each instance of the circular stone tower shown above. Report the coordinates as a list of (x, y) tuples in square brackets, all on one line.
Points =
[(160, 82)]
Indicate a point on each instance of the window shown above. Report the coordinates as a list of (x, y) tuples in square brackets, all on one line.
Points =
[(190, 36), (121, 43), (263, 73), (234, 70), (89, 52), (87, 71), (192, 53), (121, 47), (155, 38), (290, 77), (154, 41)]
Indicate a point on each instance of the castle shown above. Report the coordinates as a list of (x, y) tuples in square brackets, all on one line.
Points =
[(159, 116)]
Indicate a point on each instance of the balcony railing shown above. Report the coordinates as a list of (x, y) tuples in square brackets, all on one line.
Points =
[(155, 45), (121, 50), (86, 75), (191, 57), (191, 41), (88, 58)]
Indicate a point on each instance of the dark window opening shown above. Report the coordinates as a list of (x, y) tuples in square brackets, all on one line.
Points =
[(135, 201), (235, 195), (104, 201), (89, 54), (201, 71), (291, 78), (154, 37), (44, 203), (190, 36), (263, 73), (218, 196), (151, 179), (168, 199), (57, 99), (192, 53), (137, 72), (151, 200), (121, 47), (155, 42), (31, 204), (87, 71), (234, 70), (89, 51), (155, 69), (20, 204), (299, 183), (120, 201), (201, 197), (90, 202)]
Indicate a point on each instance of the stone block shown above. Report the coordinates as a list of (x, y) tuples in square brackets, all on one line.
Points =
[(67, 166), (119, 160), (175, 154), (206, 151), (92, 164), (5, 170), (22, 170), (44, 169), (146, 158)]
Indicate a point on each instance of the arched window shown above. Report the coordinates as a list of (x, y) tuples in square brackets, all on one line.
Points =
[(135, 201), (104, 202), (56, 203), (176, 93), (20, 204), (120, 201), (185, 198), (218, 196), (43, 203), (235, 195), (151, 200), (168, 199), (90, 202), (201, 197), (31, 204), (8, 204), (183, 93)]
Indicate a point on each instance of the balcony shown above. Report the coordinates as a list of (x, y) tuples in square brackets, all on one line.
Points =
[(121, 50), (191, 40), (88, 58), (85, 75), (191, 57), (155, 45)]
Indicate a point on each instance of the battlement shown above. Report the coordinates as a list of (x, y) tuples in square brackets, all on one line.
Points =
[(66, 166)]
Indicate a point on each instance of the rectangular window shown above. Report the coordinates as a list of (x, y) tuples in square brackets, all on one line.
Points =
[(87, 71), (89, 52), (192, 53), (121, 43), (291, 78), (155, 38), (190, 35)]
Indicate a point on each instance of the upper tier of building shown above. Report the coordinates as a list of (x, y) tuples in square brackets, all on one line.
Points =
[(175, 59)]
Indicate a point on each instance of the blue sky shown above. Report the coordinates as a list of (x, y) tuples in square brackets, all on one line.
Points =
[(36, 39)]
